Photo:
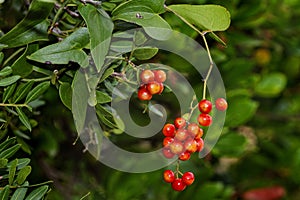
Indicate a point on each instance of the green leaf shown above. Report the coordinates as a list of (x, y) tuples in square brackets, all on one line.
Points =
[(20, 193), (21, 66), (12, 171), (231, 145), (240, 110), (3, 162), (154, 6), (22, 91), (65, 94), (145, 53), (22, 162), (6, 143), (22, 174), (70, 49), (4, 194), (38, 193), (23, 118), (271, 85), (102, 97), (5, 71), (9, 80), (37, 91), (1, 56), (8, 92), (80, 96), (10, 151), (154, 25), (204, 17), (106, 74), (100, 27), (32, 28)]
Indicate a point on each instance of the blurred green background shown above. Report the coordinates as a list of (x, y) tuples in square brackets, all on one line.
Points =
[(260, 145)]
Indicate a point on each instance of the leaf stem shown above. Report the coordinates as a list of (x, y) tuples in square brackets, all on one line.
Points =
[(14, 105), (37, 79)]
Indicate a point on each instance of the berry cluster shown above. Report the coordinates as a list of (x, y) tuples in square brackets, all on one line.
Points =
[(178, 184), (152, 83), (184, 138)]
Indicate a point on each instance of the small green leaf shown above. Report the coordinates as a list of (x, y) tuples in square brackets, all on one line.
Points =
[(20, 193), (22, 162), (106, 74), (10, 151), (7, 143), (102, 97), (23, 118), (205, 17), (4, 194), (65, 94), (230, 145), (37, 91), (32, 28), (8, 92), (22, 91), (100, 27), (70, 49), (3, 162), (12, 171), (24, 146), (271, 85), (155, 6), (22, 174), (145, 53), (5, 71), (38, 193), (9, 80), (1, 56), (21, 66)]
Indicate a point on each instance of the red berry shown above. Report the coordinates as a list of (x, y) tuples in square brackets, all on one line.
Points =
[(169, 130), (204, 119), (191, 145), (205, 106), (193, 129), (188, 178), (144, 94), (179, 122), (147, 76), (181, 134), (176, 147), (160, 76), (185, 156), (167, 153), (200, 144), (178, 185), (169, 176), (153, 87), (167, 141), (161, 88), (221, 104)]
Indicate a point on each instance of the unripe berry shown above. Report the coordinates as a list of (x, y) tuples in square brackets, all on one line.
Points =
[(153, 87)]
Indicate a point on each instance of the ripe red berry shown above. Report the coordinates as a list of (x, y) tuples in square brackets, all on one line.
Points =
[(167, 153), (176, 147), (167, 141), (185, 156), (153, 87), (205, 106), (178, 185), (193, 129), (221, 104), (188, 178), (169, 176), (179, 122), (191, 145), (204, 119), (181, 134), (147, 76), (161, 88), (169, 130), (144, 94), (200, 144), (160, 76)]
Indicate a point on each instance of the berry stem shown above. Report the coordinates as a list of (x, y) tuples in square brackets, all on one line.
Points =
[(192, 108)]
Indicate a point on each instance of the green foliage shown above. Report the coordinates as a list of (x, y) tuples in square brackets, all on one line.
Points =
[(42, 49)]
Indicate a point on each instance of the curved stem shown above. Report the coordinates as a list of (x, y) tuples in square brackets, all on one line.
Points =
[(13, 105)]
